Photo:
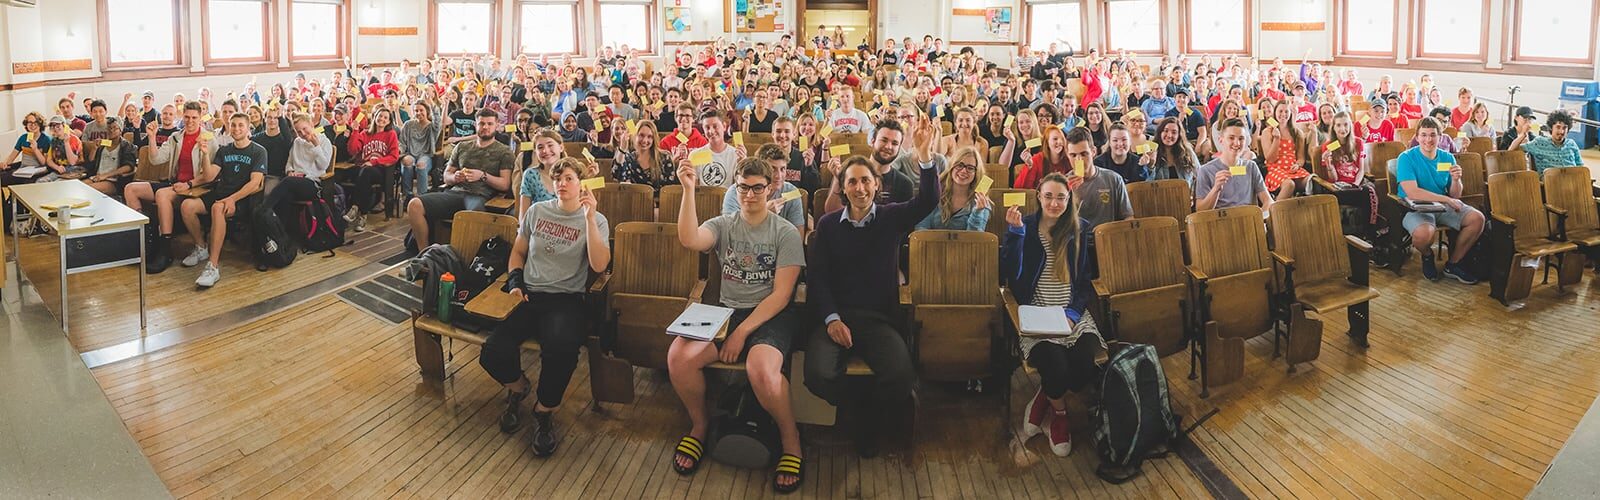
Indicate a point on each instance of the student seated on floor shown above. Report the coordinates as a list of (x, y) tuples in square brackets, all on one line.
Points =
[(478, 170), (852, 283), (1045, 261), (189, 152), (1215, 185), (760, 256), (559, 241), (1417, 171), (239, 168)]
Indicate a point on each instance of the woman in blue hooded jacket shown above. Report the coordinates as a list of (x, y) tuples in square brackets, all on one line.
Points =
[(1045, 264)]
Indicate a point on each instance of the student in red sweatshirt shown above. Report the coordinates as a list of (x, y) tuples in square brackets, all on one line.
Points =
[(374, 151)]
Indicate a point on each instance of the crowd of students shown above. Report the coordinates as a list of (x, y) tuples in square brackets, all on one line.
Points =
[(1076, 128)]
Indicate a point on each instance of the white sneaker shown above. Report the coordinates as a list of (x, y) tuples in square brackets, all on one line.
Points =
[(359, 224), (209, 276), (351, 214), (198, 254)]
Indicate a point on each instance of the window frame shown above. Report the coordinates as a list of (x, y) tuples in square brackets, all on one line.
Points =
[(1342, 24), (1419, 33), (577, 27), (180, 40), (1186, 18), (494, 25), (1083, 26), (1512, 32), (651, 11), (342, 43), (269, 28), (1105, 28)]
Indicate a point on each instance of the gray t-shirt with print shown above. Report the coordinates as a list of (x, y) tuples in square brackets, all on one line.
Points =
[(751, 255), (1103, 198), (558, 255)]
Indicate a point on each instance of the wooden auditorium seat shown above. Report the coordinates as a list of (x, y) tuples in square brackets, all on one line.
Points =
[(1505, 161), (956, 311), (1480, 145), (1378, 162), (1232, 284), (468, 232), (1474, 181), (624, 203), (1143, 300), (997, 221), (707, 202), (1321, 269), (1521, 235), (653, 278), (1571, 190)]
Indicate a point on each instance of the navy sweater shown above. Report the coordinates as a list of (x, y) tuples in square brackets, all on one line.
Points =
[(857, 266), (1022, 262)]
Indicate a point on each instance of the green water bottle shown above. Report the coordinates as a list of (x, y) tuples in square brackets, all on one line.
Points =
[(447, 291)]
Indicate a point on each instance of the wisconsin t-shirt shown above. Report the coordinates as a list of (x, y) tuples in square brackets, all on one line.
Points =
[(750, 256), (558, 247)]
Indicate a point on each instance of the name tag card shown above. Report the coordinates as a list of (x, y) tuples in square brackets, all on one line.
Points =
[(839, 150), (700, 157), (1014, 199), (1237, 170), (593, 183)]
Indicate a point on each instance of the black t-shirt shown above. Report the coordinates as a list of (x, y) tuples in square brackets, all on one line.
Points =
[(277, 147), (463, 124), (237, 164), (667, 120), (1129, 169), (762, 125), (802, 176)]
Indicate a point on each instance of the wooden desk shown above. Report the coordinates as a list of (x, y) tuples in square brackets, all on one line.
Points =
[(103, 235)]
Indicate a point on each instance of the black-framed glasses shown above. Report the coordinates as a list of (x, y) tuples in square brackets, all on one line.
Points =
[(966, 166), (751, 188)]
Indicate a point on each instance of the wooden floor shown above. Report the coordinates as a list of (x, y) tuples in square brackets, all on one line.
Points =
[(1456, 398), (105, 304)]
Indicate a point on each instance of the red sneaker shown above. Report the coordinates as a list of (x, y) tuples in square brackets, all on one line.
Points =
[(1060, 434), (1034, 415)]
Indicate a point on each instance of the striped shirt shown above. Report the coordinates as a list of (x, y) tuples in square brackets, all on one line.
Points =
[(1051, 291)]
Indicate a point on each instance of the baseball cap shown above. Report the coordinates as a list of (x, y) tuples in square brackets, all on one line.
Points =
[(57, 120), (1523, 111)]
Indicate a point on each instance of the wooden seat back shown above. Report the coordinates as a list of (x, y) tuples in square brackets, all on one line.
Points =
[(1570, 189), (1163, 198), (1474, 180), (997, 221), (1505, 161), (1378, 159), (1229, 245), (574, 149), (955, 300), (1307, 229), (1480, 145), (624, 203), (469, 228), (819, 203), (1515, 195), (851, 138), (147, 170), (1405, 135), (1143, 294), (603, 165), (1000, 173), (754, 140), (993, 155), (707, 202), (652, 278)]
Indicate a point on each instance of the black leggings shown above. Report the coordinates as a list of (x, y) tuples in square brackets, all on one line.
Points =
[(368, 180), (556, 320), (291, 189), (1063, 369)]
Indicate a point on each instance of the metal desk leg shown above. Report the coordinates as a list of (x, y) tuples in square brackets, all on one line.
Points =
[(140, 272), (61, 246), (16, 239)]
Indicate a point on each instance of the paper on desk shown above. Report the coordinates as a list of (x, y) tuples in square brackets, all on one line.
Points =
[(704, 322), (1043, 321)]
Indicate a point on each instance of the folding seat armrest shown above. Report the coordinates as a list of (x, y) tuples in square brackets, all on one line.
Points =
[(1319, 183), (1401, 202), (1558, 223), (1358, 244), (1195, 273), (1503, 219), (1100, 288), (600, 283), (698, 291), (1282, 260), (1010, 301), (905, 295)]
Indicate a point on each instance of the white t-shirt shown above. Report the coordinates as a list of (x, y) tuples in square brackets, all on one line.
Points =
[(721, 170)]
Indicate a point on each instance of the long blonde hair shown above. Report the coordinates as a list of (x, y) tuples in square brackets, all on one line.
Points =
[(948, 205)]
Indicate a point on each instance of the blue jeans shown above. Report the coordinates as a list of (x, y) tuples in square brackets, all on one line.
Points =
[(417, 171)]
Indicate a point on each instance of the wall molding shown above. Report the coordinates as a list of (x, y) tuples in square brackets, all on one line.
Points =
[(387, 31), (50, 66)]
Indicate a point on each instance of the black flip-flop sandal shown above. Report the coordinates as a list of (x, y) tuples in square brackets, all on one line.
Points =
[(692, 449), (788, 466)]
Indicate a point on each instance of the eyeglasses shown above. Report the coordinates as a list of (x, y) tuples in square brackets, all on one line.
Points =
[(966, 166), (1053, 197), (751, 189)]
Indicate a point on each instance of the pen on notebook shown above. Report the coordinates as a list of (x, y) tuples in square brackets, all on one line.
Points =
[(702, 323)]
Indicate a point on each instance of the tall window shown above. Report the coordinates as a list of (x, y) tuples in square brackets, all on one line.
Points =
[(463, 26), (1451, 30), (145, 34), (1055, 22), (1134, 25), (236, 30), (316, 29), (625, 23), (1217, 26), (548, 27), (1553, 31), (1367, 27)]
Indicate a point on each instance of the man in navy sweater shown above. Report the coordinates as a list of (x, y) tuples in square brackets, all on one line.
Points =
[(852, 280)]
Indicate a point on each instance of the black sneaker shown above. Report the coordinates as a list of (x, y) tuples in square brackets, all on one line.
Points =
[(1460, 274), (1429, 270), (544, 434), (511, 420), (159, 258)]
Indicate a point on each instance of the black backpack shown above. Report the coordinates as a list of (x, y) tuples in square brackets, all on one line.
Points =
[(487, 266), (272, 244), (322, 221), (1134, 420)]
